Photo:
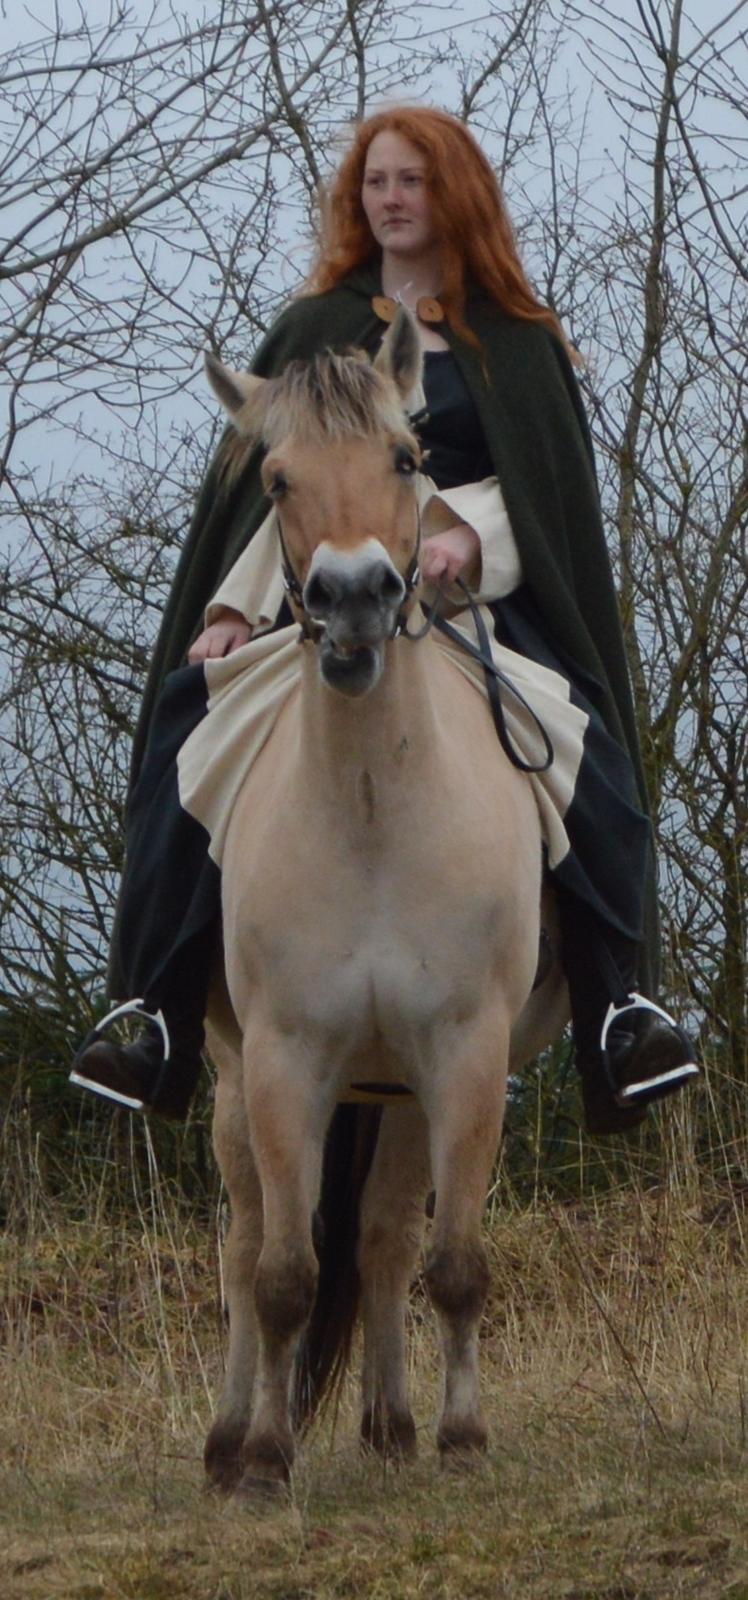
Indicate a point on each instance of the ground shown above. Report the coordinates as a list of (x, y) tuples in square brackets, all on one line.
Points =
[(615, 1377)]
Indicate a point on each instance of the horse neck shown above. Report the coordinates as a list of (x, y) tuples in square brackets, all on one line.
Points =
[(342, 738)]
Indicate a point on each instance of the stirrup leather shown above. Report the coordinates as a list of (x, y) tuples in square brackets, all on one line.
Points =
[(127, 1008), (631, 1093)]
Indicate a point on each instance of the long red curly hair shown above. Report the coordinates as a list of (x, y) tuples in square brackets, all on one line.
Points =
[(477, 238)]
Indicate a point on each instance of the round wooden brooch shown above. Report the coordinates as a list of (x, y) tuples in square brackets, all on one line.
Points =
[(427, 308)]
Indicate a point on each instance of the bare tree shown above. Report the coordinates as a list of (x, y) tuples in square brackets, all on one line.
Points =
[(158, 178), (668, 287), (158, 182)]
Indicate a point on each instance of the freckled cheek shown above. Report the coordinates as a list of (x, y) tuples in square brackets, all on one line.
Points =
[(371, 212)]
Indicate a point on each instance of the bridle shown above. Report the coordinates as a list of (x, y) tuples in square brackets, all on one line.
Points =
[(313, 630)]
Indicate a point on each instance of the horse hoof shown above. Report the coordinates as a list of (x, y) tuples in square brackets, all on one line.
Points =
[(462, 1446), (266, 1464), (255, 1489), (224, 1455), (393, 1436)]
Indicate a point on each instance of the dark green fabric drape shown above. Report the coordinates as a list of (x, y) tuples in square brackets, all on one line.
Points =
[(531, 411)]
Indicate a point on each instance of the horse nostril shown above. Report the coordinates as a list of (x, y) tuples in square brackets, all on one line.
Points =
[(319, 595), (385, 584), (359, 587)]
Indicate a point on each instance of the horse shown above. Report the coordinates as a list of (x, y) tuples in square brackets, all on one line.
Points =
[(382, 882)]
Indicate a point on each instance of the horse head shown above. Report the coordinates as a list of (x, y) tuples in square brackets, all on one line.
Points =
[(341, 468)]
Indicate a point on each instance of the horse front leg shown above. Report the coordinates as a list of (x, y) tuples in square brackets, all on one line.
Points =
[(465, 1101), (391, 1229), (224, 1447), (288, 1114)]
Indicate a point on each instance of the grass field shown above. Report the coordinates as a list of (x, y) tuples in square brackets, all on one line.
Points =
[(615, 1370)]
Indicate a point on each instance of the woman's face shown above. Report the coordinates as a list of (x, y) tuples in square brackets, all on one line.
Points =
[(395, 198)]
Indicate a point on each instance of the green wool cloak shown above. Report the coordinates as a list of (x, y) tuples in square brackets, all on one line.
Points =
[(527, 397)]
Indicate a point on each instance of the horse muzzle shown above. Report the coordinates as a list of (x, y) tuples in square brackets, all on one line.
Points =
[(355, 600)]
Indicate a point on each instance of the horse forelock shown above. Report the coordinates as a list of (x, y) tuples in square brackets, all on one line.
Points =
[(329, 398)]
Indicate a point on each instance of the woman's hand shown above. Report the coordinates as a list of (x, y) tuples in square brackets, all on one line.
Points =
[(228, 631), (451, 554)]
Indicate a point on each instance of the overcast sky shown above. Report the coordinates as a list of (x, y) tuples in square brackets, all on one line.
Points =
[(57, 451)]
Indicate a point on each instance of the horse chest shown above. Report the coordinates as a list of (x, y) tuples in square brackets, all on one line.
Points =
[(376, 899), (367, 960)]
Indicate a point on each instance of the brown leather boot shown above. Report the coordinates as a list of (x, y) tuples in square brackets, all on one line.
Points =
[(645, 1054), (141, 1076), (642, 1056)]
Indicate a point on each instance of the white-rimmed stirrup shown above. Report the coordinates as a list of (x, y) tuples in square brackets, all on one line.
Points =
[(127, 1008), (639, 1090)]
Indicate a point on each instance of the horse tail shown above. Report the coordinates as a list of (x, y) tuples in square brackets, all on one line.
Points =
[(325, 1349)]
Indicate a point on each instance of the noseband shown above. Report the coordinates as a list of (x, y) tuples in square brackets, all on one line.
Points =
[(312, 629)]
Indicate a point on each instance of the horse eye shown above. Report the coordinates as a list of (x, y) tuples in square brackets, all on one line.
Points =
[(405, 461), (277, 486)]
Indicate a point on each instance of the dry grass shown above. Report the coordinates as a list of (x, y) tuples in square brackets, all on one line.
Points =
[(615, 1373)]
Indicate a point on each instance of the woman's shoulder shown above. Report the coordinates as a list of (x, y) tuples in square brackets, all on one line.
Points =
[(306, 324), (531, 362), (291, 323), (529, 331), (536, 352)]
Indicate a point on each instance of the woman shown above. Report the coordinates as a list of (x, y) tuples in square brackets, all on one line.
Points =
[(415, 214)]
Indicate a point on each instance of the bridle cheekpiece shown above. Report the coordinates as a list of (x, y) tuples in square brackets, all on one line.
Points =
[(312, 629)]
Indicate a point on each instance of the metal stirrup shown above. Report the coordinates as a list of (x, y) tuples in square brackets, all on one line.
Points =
[(126, 1008), (673, 1075)]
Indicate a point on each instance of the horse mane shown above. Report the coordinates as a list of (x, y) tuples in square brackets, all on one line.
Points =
[(328, 398)]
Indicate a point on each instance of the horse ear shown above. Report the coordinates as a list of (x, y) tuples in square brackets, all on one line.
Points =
[(240, 393), (400, 357)]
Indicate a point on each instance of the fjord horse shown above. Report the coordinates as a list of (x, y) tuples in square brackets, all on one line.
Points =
[(382, 889)]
